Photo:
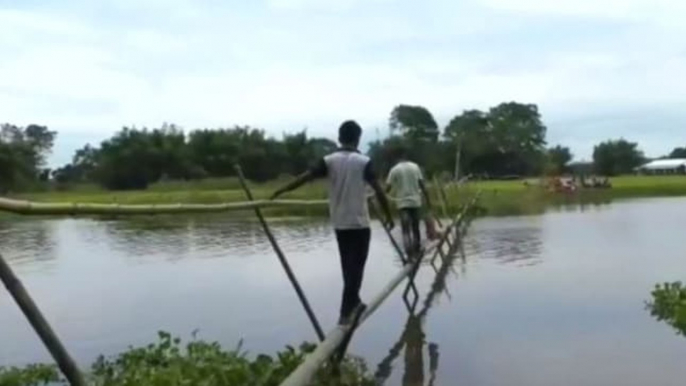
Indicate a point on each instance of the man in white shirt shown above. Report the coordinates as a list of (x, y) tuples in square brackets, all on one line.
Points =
[(348, 172), (405, 179)]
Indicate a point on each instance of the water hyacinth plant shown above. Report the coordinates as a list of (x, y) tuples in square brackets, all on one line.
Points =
[(197, 363), (669, 305)]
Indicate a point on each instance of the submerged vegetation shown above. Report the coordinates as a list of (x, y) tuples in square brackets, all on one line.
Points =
[(198, 363), (669, 305)]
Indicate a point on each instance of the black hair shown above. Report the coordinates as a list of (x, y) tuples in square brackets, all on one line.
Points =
[(349, 133), (402, 152)]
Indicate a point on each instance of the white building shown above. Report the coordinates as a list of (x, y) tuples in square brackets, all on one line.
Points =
[(664, 166)]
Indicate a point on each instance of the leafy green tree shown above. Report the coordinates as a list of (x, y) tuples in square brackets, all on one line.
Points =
[(470, 135), (126, 160), (322, 147), (559, 158), (22, 154), (614, 157), (520, 136), (678, 152), (414, 122), (509, 139)]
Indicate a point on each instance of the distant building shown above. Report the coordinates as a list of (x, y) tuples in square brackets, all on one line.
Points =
[(664, 166)]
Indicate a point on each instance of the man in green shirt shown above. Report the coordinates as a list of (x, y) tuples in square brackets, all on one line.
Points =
[(406, 180)]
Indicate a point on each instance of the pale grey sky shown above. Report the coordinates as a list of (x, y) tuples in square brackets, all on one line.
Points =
[(598, 69)]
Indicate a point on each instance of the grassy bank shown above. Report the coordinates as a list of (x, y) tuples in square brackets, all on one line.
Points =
[(499, 197)]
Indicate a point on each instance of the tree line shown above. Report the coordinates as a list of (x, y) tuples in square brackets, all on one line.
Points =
[(505, 141)]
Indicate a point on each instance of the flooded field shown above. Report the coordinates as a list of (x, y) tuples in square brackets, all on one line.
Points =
[(555, 299)]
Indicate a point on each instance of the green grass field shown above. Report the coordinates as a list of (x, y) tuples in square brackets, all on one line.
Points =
[(499, 197)]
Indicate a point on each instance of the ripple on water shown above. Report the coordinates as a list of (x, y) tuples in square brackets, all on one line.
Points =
[(506, 241)]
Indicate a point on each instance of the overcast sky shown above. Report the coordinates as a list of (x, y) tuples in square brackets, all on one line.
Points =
[(598, 69)]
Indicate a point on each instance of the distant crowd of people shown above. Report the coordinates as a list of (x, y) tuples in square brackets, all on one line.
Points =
[(573, 183)]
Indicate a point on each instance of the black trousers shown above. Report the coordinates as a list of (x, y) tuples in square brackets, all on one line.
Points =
[(409, 222), (353, 246)]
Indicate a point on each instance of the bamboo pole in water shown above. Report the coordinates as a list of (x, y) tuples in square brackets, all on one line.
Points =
[(87, 209), (282, 259), (303, 374), (40, 325), (441, 197)]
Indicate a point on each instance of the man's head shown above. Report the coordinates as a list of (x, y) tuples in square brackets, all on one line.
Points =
[(402, 153), (349, 133)]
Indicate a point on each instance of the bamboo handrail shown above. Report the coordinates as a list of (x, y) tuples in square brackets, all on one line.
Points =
[(37, 208), (24, 207)]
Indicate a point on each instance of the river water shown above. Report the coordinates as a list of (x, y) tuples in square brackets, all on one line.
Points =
[(554, 299)]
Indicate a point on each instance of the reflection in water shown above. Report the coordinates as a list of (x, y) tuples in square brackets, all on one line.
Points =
[(31, 243), (413, 336), (508, 243), (203, 237)]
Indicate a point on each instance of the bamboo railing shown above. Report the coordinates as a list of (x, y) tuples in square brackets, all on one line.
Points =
[(23, 207)]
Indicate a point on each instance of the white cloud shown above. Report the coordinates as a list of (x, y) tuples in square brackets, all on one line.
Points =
[(285, 64), (329, 5), (615, 9)]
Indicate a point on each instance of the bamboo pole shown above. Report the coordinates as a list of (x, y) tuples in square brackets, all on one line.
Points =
[(86, 209), (282, 259), (441, 197), (395, 244), (40, 325)]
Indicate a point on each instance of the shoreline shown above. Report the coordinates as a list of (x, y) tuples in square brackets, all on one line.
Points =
[(499, 198)]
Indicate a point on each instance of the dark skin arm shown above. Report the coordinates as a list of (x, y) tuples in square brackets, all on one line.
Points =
[(383, 200), (295, 184), (425, 191)]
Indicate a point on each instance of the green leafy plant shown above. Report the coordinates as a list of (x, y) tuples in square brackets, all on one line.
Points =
[(197, 363), (669, 305), (32, 375)]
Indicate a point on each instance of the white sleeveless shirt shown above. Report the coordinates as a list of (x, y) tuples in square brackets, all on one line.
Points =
[(348, 173)]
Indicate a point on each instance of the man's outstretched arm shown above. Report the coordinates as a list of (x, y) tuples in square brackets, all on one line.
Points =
[(319, 170), (383, 200), (295, 184)]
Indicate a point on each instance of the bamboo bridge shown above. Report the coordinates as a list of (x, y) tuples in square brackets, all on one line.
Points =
[(332, 346)]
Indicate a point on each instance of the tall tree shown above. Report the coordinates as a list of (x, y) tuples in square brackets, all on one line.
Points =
[(678, 152), (470, 134), (559, 158), (22, 154), (299, 152), (509, 139), (615, 157), (414, 122)]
